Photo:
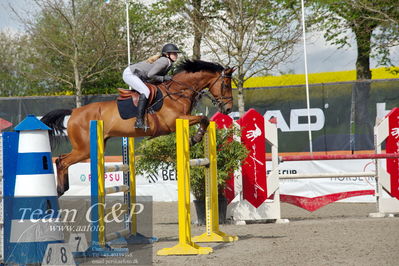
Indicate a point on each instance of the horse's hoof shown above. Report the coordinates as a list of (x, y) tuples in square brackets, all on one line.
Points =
[(60, 192), (192, 143), (194, 140)]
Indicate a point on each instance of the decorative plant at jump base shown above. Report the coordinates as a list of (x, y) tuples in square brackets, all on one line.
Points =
[(160, 152)]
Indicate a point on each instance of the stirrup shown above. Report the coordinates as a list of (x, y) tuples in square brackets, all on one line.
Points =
[(142, 125), (139, 123)]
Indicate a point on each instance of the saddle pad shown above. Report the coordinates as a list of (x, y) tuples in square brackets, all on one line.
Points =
[(128, 110)]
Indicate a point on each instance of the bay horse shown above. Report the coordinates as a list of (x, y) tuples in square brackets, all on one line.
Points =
[(179, 96)]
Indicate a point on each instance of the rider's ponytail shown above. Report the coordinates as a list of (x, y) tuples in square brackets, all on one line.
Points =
[(153, 58)]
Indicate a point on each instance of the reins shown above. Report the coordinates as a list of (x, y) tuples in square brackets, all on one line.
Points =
[(196, 95), (170, 94)]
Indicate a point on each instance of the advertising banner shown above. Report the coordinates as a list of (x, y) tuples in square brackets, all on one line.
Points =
[(163, 186), (311, 188)]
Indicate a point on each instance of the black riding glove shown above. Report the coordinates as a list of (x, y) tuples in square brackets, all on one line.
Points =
[(167, 78)]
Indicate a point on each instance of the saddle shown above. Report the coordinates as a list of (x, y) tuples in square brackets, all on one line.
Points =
[(127, 101), (134, 95)]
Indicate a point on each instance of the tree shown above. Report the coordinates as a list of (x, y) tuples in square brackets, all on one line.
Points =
[(385, 11), (386, 14), (8, 68), (152, 27), (74, 42), (14, 49), (81, 44), (339, 19), (196, 14), (255, 36)]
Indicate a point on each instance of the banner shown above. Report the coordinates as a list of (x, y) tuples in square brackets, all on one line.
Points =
[(312, 188), (163, 186)]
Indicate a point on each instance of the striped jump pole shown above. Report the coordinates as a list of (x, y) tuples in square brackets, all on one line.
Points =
[(129, 179), (387, 179), (186, 245), (1, 202), (325, 157), (98, 246), (129, 235)]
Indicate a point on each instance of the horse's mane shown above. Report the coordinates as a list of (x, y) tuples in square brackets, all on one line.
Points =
[(198, 65)]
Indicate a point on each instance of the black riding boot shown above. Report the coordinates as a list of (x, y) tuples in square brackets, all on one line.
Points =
[(140, 112)]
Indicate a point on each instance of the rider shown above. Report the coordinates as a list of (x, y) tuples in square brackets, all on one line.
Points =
[(153, 70)]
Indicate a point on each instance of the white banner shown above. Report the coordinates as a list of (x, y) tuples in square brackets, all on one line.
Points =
[(324, 186), (163, 186)]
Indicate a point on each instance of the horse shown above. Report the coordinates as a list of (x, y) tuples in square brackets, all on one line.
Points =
[(180, 94)]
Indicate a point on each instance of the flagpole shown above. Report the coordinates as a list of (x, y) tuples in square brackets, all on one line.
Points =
[(306, 75), (128, 32)]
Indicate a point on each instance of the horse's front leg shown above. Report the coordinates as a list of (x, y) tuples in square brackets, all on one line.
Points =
[(193, 120)]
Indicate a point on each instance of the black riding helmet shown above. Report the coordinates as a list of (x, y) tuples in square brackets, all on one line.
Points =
[(170, 48)]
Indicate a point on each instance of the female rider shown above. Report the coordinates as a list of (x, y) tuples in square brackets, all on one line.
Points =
[(153, 70)]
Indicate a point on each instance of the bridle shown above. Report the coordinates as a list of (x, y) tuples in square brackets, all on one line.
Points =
[(219, 100), (215, 100)]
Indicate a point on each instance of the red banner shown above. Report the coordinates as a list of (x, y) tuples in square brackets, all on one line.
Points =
[(392, 146), (254, 168), (315, 203), (225, 121)]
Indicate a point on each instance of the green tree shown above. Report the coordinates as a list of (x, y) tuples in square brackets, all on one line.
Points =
[(196, 15), (152, 27), (74, 42), (256, 36), (14, 81), (9, 78), (81, 44), (339, 19), (386, 14)]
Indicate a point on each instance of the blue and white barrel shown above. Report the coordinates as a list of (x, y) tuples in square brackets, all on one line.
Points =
[(34, 211)]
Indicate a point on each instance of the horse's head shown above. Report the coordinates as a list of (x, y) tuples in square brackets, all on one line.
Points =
[(197, 75), (221, 90)]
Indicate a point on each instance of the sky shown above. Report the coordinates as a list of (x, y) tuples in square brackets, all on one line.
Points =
[(321, 56), (8, 20)]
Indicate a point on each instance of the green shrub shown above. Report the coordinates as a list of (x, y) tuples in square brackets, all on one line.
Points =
[(161, 152)]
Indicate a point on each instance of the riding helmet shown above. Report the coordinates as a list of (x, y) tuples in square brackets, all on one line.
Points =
[(170, 48)]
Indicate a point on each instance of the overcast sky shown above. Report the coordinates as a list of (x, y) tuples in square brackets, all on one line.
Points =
[(322, 57), (7, 18)]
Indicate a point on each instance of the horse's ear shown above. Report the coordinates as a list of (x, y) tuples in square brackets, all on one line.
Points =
[(230, 70)]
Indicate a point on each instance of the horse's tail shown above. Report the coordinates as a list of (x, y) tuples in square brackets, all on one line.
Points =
[(55, 120)]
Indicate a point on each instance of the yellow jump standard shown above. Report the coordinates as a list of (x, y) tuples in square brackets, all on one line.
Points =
[(186, 245)]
